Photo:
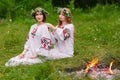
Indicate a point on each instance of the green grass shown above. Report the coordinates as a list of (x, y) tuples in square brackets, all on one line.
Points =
[(97, 34)]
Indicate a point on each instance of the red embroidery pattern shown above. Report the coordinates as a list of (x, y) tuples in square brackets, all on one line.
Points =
[(46, 43), (66, 33), (34, 32)]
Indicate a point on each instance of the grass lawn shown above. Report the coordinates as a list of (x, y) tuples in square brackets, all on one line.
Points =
[(97, 34)]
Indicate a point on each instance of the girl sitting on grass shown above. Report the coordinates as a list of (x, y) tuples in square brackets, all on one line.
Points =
[(38, 41), (63, 36)]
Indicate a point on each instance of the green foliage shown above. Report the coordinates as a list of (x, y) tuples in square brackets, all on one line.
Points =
[(7, 8), (60, 3), (20, 8)]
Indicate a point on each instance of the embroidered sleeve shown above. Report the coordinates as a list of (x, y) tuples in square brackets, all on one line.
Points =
[(62, 34), (66, 33), (46, 43), (59, 34), (53, 39)]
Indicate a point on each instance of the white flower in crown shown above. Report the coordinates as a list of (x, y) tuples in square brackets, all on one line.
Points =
[(67, 14)]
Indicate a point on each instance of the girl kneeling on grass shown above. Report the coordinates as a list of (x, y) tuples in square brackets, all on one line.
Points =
[(39, 40), (63, 36)]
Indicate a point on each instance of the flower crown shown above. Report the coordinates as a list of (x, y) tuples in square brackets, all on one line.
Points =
[(65, 11), (38, 9)]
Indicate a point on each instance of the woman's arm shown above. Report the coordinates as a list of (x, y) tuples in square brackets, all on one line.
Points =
[(33, 56), (52, 27), (64, 33)]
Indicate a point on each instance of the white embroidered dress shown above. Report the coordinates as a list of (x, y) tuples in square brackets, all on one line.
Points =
[(39, 41), (64, 45)]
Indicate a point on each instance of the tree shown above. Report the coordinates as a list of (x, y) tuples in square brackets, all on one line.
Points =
[(60, 3)]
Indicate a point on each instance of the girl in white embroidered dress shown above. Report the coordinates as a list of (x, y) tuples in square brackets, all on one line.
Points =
[(63, 36), (38, 41)]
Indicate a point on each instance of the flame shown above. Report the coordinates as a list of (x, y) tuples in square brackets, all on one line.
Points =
[(91, 64), (111, 63)]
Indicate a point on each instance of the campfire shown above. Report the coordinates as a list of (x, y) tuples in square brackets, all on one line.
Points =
[(96, 70), (94, 66)]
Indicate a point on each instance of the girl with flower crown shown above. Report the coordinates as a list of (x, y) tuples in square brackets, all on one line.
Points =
[(63, 36), (38, 41)]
